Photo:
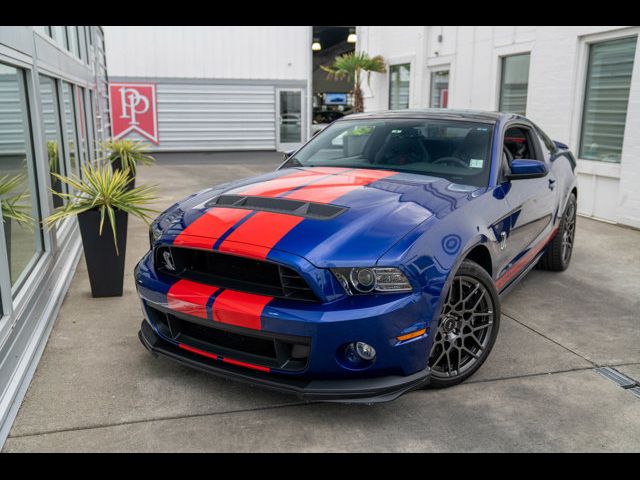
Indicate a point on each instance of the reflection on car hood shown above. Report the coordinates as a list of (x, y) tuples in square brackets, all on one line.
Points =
[(378, 208)]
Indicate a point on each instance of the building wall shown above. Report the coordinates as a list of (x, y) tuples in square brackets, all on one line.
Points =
[(216, 85), (50, 100), (555, 97), (214, 52)]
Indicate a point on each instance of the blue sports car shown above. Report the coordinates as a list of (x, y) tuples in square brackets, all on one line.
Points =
[(370, 263)]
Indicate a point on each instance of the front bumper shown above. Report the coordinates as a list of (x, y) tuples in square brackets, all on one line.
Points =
[(356, 390), (326, 328)]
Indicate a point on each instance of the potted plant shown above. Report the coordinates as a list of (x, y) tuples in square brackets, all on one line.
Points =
[(350, 67), (102, 200), (13, 210), (127, 154)]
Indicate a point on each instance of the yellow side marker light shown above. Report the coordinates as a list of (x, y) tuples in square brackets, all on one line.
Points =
[(411, 335)]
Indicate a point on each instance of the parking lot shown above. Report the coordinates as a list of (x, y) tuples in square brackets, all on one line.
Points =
[(97, 389)]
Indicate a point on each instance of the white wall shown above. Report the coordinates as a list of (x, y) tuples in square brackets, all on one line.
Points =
[(215, 52), (555, 92)]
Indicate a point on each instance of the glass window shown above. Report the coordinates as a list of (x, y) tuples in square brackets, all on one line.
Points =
[(439, 89), (74, 41), (82, 125), (70, 128), (52, 134), (456, 150), (20, 212), (43, 30), (60, 35), (606, 99), (399, 79), (514, 84), (290, 110)]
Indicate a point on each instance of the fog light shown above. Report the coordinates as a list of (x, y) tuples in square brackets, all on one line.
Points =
[(365, 351)]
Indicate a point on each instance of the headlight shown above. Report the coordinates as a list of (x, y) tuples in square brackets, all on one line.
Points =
[(376, 279), (154, 234)]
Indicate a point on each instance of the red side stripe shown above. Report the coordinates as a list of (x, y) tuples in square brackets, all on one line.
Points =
[(246, 365), (240, 309), (231, 361), (190, 297), (204, 231), (264, 228), (523, 262)]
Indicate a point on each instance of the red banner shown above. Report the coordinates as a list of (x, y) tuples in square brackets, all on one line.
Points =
[(134, 109)]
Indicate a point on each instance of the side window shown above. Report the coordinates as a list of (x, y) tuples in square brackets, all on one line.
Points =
[(520, 142)]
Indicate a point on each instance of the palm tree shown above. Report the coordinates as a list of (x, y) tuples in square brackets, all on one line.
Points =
[(350, 67)]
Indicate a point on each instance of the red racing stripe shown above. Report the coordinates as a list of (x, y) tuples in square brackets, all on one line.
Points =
[(330, 188), (198, 351), (230, 361), (259, 234), (523, 262), (240, 309), (246, 365), (256, 237), (190, 297), (280, 185), (208, 228)]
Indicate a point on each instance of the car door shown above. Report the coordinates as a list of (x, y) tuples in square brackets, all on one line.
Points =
[(531, 201)]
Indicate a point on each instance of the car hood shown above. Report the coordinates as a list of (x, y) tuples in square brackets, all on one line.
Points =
[(369, 210)]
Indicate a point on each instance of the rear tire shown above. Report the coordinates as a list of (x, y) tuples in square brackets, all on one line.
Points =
[(558, 254), (467, 327)]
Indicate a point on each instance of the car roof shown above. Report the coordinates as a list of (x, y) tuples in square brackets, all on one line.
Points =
[(438, 113)]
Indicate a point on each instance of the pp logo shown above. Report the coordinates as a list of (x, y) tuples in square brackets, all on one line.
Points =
[(133, 109)]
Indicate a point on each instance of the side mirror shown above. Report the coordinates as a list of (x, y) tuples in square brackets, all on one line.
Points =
[(524, 168), (288, 153), (560, 145)]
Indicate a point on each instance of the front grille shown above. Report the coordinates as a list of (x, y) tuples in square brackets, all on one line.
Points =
[(283, 352), (236, 273)]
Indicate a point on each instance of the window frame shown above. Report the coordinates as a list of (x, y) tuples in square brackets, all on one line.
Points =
[(434, 71), (16, 299), (501, 63), (585, 82), (594, 167), (406, 63)]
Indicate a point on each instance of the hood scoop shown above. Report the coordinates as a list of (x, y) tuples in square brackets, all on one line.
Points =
[(316, 211)]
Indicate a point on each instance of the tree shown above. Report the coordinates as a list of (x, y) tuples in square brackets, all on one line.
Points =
[(350, 67)]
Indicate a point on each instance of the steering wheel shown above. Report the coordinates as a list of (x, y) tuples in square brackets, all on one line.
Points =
[(451, 161), (392, 154)]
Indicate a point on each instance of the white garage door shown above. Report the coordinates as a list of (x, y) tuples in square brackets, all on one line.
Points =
[(208, 116)]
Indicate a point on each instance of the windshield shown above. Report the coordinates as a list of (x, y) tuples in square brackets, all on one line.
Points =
[(456, 150)]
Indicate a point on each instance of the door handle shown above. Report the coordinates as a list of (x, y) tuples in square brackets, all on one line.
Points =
[(552, 184)]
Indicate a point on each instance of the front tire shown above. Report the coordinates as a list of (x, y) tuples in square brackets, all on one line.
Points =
[(467, 326)]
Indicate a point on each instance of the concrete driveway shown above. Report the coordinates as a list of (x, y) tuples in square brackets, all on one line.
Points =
[(98, 389)]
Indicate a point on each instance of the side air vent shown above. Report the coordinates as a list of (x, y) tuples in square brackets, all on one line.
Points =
[(317, 211)]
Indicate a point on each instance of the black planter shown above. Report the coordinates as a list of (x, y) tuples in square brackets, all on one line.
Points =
[(117, 165), (106, 268)]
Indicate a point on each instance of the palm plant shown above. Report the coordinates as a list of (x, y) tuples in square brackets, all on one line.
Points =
[(12, 206), (127, 154), (106, 191), (350, 67)]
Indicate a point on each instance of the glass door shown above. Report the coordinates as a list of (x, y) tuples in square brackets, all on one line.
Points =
[(289, 119)]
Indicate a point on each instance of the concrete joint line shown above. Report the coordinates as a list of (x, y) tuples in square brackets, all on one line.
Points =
[(511, 317)]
